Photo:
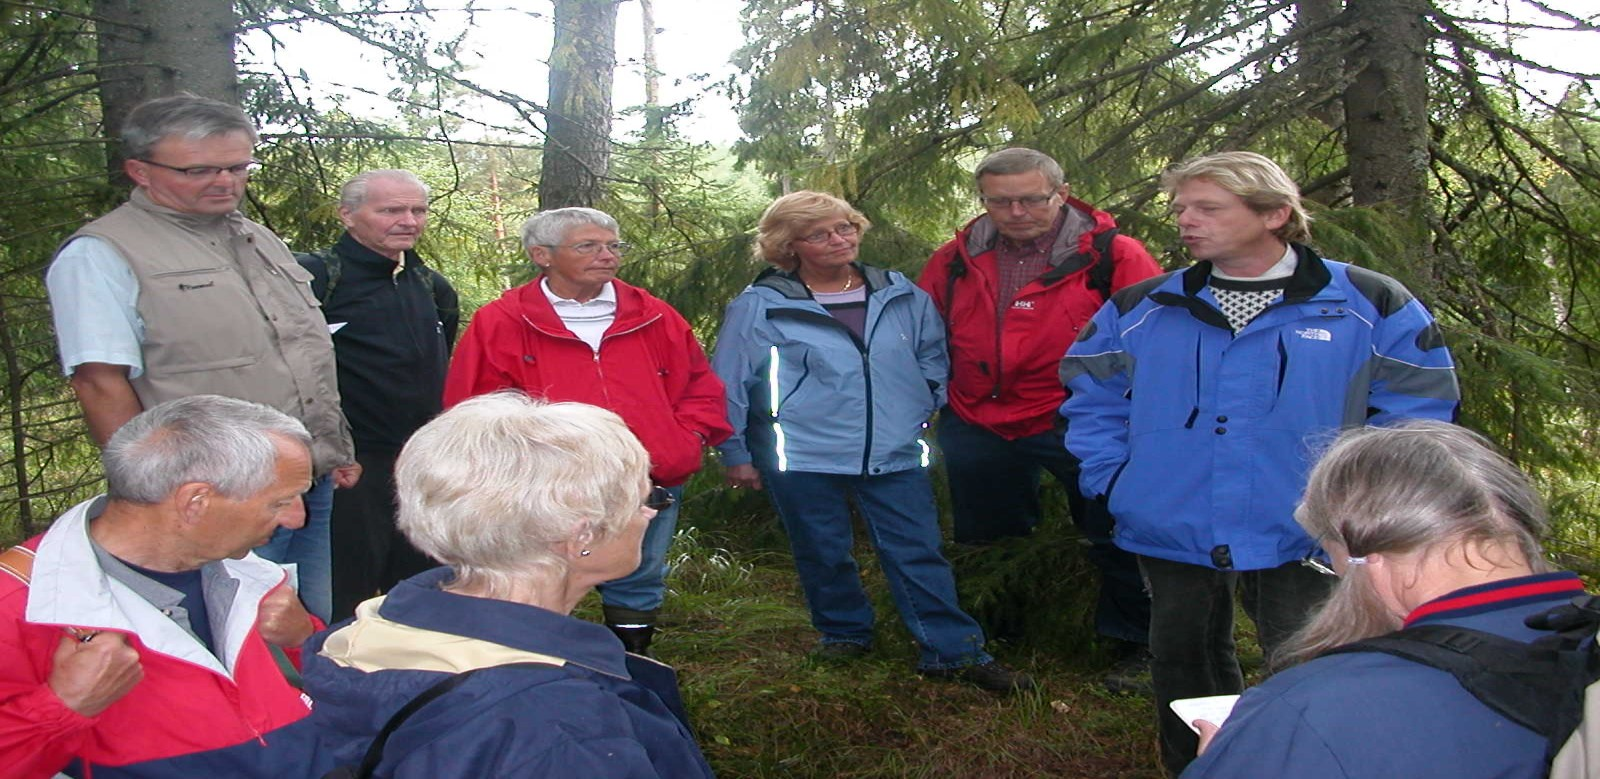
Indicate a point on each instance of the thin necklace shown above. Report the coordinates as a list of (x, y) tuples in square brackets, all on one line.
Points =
[(849, 281)]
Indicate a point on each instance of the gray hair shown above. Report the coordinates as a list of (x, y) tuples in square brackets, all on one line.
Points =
[(1008, 162), (492, 486), (227, 443), (184, 115), (354, 192), (1255, 179), (550, 228), (1417, 486)]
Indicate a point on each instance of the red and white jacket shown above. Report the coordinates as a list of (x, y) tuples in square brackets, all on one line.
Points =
[(1006, 380), (193, 713), (650, 370)]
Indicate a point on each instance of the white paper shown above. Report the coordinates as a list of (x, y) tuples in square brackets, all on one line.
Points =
[(1213, 709), (334, 327)]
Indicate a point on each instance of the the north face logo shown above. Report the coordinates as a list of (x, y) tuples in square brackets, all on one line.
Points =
[(1028, 304), (1314, 334)]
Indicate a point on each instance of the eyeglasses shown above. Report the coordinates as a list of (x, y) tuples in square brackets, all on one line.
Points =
[(843, 230), (1002, 203), (591, 248), (659, 499), (242, 170)]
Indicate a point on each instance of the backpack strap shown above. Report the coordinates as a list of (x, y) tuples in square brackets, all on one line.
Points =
[(18, 563), (374, 754), (1103, 269), (326, 268), (1539, 686)]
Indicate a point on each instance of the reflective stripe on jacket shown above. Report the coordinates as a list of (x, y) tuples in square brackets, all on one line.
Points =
[(805, 394), (1201, 439)]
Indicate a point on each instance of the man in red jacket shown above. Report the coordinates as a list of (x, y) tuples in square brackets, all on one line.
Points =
[(1015, 286), (135, 632), (576, 333)]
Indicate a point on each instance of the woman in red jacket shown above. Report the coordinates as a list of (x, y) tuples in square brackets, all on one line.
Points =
[(576, 333)]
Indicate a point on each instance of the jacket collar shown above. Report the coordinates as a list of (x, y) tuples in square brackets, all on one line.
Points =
[(530, 303), (232, 222), (980, 235), (70, 589), (421, 602), (350, 248), (788, 283), (1311, 276)]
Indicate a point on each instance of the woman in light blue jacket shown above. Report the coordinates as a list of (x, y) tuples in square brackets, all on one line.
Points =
[(832, 369)]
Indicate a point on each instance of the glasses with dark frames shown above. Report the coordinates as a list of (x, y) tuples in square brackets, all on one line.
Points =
[(243, 169)]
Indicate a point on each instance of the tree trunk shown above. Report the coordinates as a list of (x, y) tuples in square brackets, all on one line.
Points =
[(1321, 70), (577, 149), (1386, 121), (152, 48)]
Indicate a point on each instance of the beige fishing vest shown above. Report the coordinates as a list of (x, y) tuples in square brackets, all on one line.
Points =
[(228, 311)]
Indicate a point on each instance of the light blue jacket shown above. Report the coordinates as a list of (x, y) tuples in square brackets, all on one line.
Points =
[(805, 394), (1201, 438)]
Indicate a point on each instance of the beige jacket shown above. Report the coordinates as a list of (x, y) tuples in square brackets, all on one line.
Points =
[(228, 311)]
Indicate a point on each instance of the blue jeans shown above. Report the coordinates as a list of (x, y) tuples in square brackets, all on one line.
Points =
[(1191, 635), (904, 527), (994, 494), (646, 587), (309, 549)]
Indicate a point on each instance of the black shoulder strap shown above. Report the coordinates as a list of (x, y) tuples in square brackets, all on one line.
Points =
[(1103, 269), (325, 267), (953, 271), (1539, 686), (437, 284), (374, 755)]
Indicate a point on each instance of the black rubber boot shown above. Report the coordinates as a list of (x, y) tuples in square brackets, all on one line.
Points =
[(634, 628)]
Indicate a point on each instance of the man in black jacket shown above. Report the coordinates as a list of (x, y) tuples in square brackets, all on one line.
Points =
[(393, 321)]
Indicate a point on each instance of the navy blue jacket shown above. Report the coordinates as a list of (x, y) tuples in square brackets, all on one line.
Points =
[(1366, 714), (594, 711), (1201, 438)]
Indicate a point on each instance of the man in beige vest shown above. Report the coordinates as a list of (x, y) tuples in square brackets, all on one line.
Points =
[(176, 293)]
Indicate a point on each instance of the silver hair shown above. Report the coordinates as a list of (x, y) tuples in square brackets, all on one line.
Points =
[(1422, 486), (494, 485), (1008, 162), (550, 228), (227, 443), (354, 192), (183, 115)]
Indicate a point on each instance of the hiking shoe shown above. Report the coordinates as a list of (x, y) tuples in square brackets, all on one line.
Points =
[(1130, 675), (991, 676), (840, 652)]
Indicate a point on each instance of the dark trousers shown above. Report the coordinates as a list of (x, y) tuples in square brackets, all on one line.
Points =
[(1191, 633), (994, 493), (369, 554)]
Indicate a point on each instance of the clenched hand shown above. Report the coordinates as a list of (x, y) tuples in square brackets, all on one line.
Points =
[(90, 675), (282, 619)]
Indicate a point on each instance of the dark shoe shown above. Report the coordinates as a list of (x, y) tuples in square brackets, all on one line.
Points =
[(635, 628), (991, 676), (635, 638), (840, 652), (1130, 675)]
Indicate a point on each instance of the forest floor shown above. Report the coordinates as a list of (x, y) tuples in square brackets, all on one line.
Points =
[(736, 629)]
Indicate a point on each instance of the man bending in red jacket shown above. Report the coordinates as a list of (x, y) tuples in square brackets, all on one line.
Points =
[(135, 632)]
